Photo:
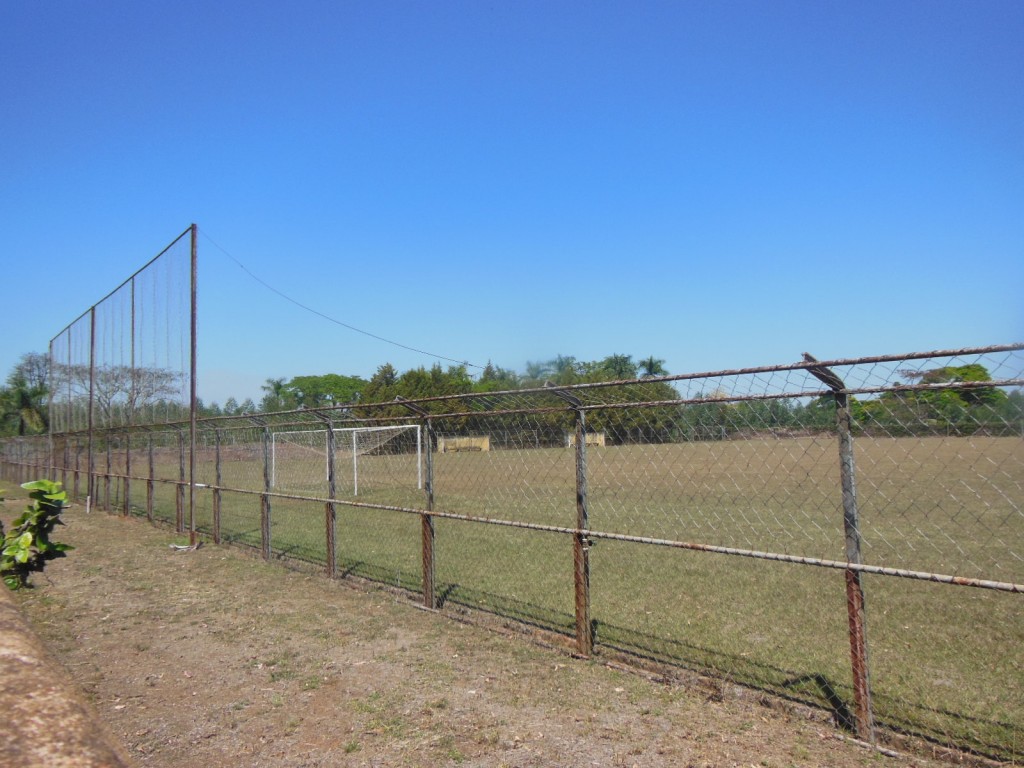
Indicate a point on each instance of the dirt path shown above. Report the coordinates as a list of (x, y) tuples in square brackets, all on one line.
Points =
[(212, 658)]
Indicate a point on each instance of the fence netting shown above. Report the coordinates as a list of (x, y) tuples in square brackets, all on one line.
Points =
[(127, 360), (848, 534)]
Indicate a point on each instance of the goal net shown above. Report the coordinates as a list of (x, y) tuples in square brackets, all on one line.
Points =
[(364, 458)]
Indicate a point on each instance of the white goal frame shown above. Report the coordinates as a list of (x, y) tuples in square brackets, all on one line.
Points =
[(354, 432)]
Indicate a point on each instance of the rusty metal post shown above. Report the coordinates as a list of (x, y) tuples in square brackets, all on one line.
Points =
[(126, 482), (179, 496), (330, 508), (192, 406), (427, 521), (131, 414), (67, 462), (69, 416), (265, 510), (106, 475), (217, 484), (427, 531), (51, 470), (581, 540), (581, 545), (90, 485), (131, 355), (68, 428), (854, 588), (150, 481), (78, 467), (856, 613)]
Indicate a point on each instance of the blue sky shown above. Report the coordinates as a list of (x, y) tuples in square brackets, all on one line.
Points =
[(717, 184)]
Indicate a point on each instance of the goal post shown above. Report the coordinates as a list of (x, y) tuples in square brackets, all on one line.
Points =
[(299, 459)]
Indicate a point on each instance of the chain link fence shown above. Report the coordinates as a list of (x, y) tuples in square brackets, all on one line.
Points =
[(848, 534)]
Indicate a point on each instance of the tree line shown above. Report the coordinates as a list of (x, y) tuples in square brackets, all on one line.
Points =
[(280, 394), (928, 404), (944, 400)]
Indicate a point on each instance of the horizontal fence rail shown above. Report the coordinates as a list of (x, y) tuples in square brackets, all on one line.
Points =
[(844, 533)]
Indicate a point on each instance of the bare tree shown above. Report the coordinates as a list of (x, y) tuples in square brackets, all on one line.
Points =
[(120, 393)]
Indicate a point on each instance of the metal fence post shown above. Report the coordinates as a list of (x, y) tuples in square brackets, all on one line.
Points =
[(150, 480), (106, 475), (265, 496), (90, 487), (127, 483), (581, 540), (78, 468), (581, 543), (51, 468), (427, 531), (179, 495), (193, 397), (67, 462), (856, 613), (330, 508), (216, 488), (130, 415), (427, 521)]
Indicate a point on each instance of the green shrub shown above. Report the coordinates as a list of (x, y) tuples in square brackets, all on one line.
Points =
[(26, 547)]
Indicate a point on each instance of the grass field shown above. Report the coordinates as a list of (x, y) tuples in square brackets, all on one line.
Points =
[(946, 662)]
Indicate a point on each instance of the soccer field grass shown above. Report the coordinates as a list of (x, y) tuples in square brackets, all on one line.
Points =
[(945, 660)]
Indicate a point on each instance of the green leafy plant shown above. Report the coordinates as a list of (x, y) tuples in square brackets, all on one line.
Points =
[(26, 547)]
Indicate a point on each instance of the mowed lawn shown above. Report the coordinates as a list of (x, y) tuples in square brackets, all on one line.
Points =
[(945, 660)]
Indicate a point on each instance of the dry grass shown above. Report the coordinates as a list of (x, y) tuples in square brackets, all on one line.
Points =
[(214, 658), (944, 662)]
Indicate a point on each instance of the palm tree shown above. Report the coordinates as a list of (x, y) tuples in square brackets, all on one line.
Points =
[(23, 407), (652, 366), (274, 399), (537, 372), (618, 367), (565, 368)]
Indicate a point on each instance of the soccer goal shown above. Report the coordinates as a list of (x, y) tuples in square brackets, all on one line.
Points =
[(378, 457)]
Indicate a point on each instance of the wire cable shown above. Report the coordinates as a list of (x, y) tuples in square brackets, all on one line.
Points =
[(330, 319)]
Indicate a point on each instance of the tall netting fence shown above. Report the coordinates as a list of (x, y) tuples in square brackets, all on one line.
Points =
[(848, 534), (128, 359), (127, 362)]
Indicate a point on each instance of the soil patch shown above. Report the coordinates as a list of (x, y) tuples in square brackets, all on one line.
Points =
[(211, 657)]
